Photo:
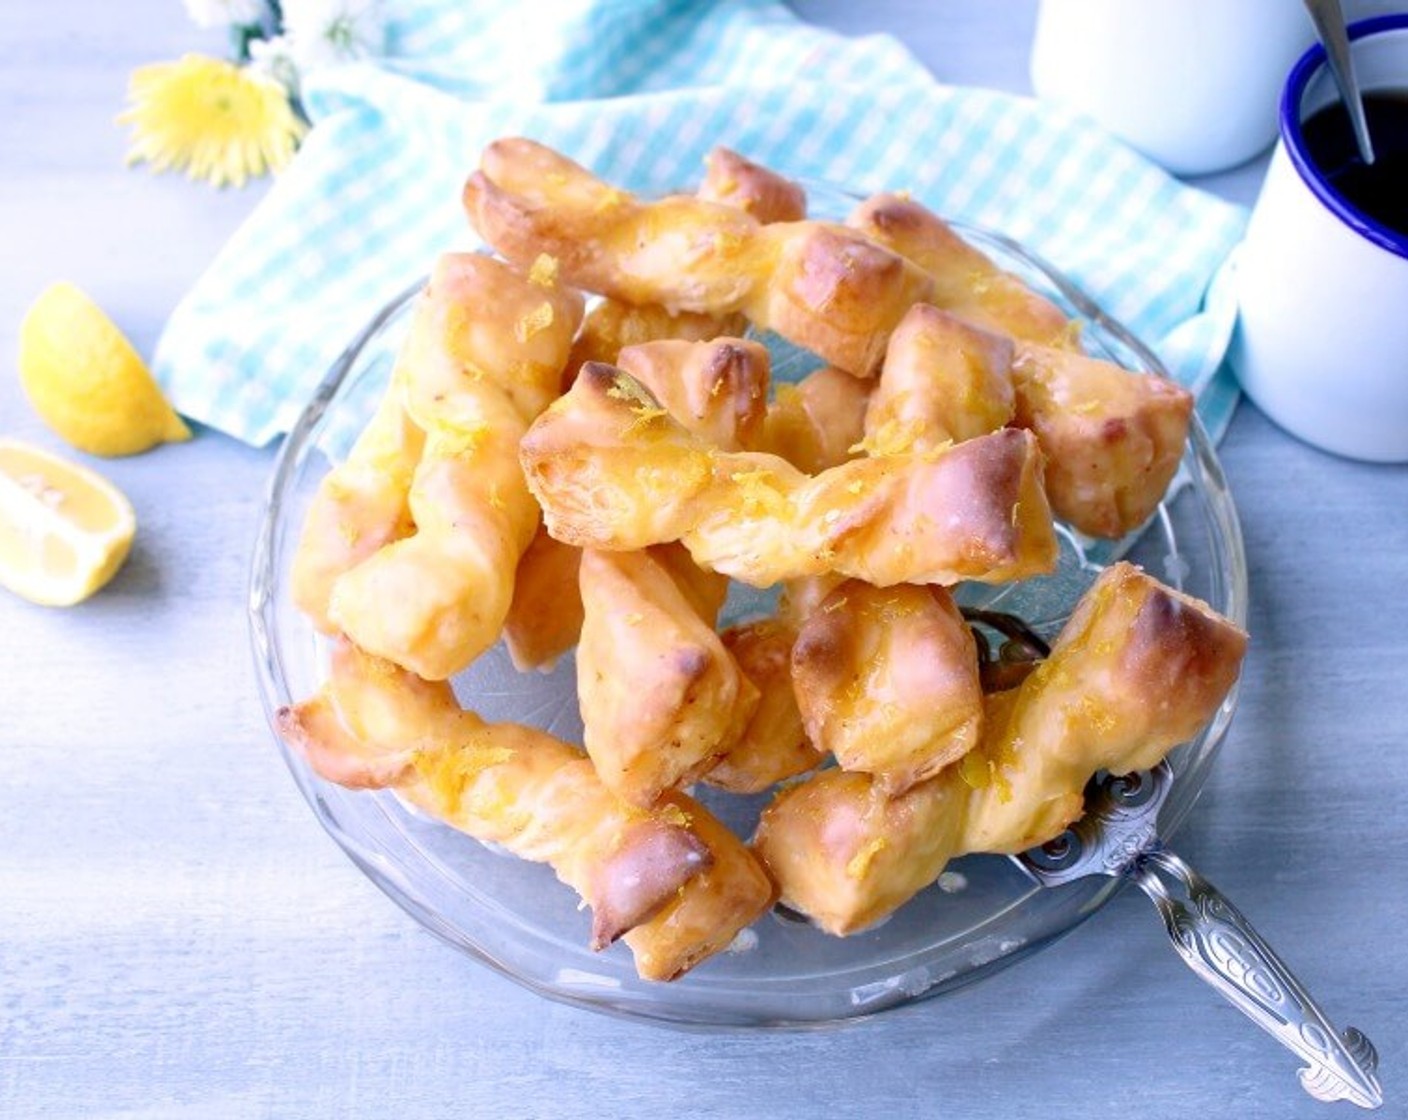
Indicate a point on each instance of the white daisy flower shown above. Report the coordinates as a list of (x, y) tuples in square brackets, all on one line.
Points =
[(274, 58), (224, 13), (322, 32)]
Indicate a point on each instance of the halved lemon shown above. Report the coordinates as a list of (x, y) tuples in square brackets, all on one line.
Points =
[(87, 382), (64, 531)]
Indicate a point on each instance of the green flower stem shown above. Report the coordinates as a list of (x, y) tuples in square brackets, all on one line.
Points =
[(241, 35)]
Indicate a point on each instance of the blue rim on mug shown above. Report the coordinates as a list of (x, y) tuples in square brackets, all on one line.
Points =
[(1294, 138)]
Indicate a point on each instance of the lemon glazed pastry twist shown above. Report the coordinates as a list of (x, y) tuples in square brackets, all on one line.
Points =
[(1138, 669), (664, 699), (661, 697), (677, 883), (822, 286), (819, 421), (360, 506), (731, 179), (483, 357), (716, 389), (612, 470), (545, 616), (886, 679), (1112, 438), (964, 279)]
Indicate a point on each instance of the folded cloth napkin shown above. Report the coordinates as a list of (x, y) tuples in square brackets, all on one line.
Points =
[(639, 90)]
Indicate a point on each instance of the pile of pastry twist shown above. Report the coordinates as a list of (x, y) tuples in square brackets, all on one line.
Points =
[(560, 481)]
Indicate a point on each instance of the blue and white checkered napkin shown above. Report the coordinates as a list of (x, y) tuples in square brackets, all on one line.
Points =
[(639, 91)]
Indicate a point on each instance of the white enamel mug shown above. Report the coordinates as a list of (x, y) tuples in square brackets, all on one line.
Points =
[(1191, 83), (1321, 343)]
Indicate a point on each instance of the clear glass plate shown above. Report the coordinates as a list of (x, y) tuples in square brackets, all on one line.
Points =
[(518, 919)]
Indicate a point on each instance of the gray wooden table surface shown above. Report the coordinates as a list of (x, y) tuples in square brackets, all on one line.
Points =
[(179, 939)]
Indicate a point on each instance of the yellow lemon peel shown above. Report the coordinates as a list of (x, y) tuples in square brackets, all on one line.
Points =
[(87, 382), (64, 530)]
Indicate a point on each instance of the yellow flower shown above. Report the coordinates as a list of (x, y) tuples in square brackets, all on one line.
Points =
[(212, 119)]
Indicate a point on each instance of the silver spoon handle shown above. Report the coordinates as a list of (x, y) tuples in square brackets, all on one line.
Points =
[(1329, 25), (1221, 946)]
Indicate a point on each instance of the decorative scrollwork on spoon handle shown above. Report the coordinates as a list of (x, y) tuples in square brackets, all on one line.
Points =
[(1221, 946)]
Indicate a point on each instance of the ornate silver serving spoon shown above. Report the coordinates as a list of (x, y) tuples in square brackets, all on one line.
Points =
[(1118, 837)]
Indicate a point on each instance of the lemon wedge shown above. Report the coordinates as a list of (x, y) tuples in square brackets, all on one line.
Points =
[(87, 382), (64, 531)]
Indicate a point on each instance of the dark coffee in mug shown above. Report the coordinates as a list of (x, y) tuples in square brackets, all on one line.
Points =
[(1379, 190)]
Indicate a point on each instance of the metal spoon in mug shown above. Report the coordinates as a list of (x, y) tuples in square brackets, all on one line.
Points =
[(1328, 17)]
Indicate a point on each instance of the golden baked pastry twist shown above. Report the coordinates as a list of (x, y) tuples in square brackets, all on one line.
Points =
[(757, 190), (730, 179), (661, 697), (1138, 669), (682, 884), (773, 745), (612, 470), (964, 279), (944, 380), (819, 422), (718, 391), (545, 616), (1113, 439), (822, 286), (886, 680), (361, 506), (483, 357)]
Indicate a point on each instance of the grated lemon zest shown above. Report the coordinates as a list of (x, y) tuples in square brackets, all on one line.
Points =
[(453, 440), (674, 815), (861, 861), (644, 414), (534, 323), (610, 199), (544, 271)]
